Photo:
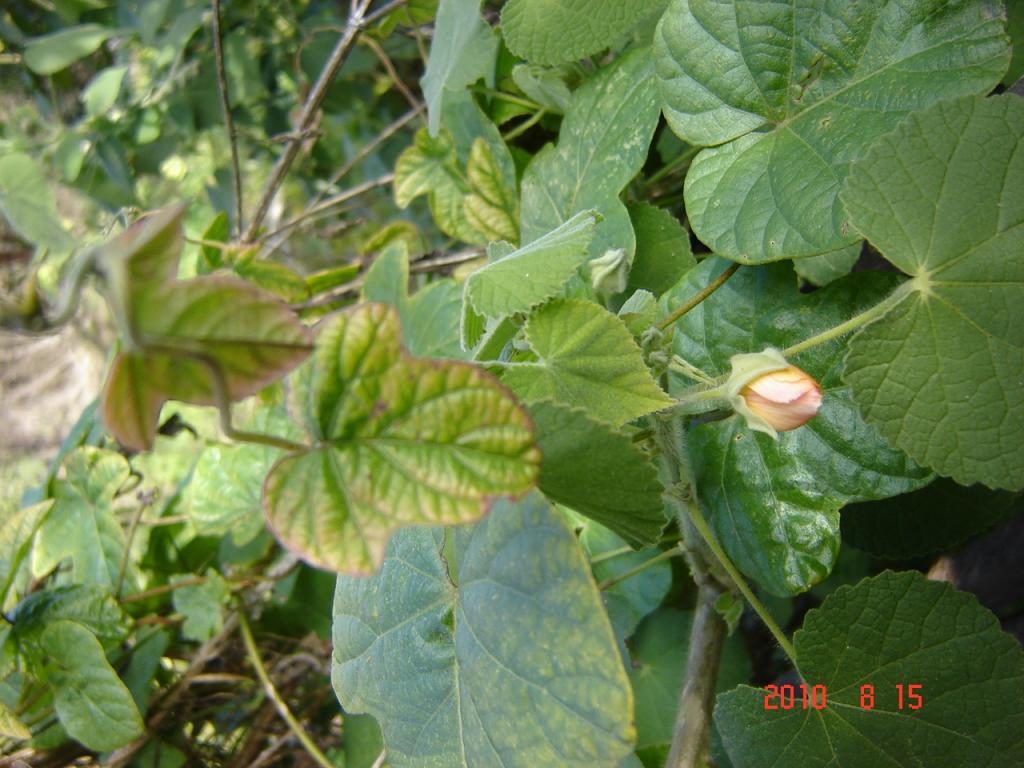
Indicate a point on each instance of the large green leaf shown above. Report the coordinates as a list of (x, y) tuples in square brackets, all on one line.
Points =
[(659, 667), (560, 31), (601, 146), (426, 648), (50, 54), (463, 50), (526, 277), (587, 359), (177, 333), (93, 705), (787, 95), (599, 472), (396, 441), (492, 206), (931, 520), (81, 525), (943, 198), (896, 629), (774, 504), (27, 203)]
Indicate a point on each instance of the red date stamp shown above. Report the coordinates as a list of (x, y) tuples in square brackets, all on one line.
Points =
[(816, 696)]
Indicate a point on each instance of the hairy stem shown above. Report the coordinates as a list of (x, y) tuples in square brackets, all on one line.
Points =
[(611, 581), (690, 736), (855, 322), (713, 286)]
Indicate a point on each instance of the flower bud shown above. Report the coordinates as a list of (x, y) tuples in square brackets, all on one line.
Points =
[(772, 395), (610, 273)]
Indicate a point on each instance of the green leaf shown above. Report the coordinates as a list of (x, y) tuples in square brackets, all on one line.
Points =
[(210, 256), (587, 358), (787, 95), (602, 145), (659, 663), (931, 520), (430, 167), (559, 31), (202, 605), (50, 54), (81, 525), (463, 50), (492, 207), (27, 203), (628, 601), (101, 94), (17, 535), (92, 703), (178, 333), (599, 472), (892, 629), (399, 441), (90, 605), (943, 198), (428, 653), (663, 252), (774, 504), (225, 489), (522, 279)]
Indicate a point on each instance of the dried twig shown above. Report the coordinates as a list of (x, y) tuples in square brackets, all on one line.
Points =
[(229, 122), (356, 21)]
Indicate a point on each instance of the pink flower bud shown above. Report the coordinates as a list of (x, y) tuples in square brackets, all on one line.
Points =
[(785, 399)]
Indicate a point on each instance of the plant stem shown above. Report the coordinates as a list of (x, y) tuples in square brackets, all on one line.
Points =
[(865, 317), (331, 202), (713, 286), (680, 162), (310, 109), (510, 98), (229, 121), (611, 581), (690, 735), (523, 127), (697, 518), (268, 686)]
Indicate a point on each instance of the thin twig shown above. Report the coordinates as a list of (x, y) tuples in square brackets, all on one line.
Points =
[(331, 202), (363, 153), (356, 22), (268, 687), (713, 286), (380, 759), (449, 260), (229, 122), (389, 67), (384, 10)]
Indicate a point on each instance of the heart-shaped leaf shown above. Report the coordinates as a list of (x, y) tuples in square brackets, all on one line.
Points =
[(943, 198), (587, 359), (786, 95), (424, 646), (397, 441), (774, 504), (185, 340), (892, 631)]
